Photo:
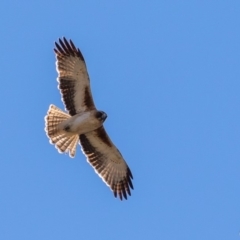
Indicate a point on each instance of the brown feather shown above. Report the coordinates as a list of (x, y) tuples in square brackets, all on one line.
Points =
[(73, 78), (113, 170)]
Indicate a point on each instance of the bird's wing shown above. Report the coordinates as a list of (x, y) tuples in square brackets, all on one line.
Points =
[(73, 78), (107, 161)]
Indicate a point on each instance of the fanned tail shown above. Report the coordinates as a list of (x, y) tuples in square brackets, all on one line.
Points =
[(61, 139)]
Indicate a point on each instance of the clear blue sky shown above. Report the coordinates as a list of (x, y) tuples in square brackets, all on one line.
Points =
[(167, 74)]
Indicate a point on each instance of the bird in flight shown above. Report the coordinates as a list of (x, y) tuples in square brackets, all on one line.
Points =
[(83, 123)]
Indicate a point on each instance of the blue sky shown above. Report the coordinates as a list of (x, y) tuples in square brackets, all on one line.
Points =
[(167, 74)]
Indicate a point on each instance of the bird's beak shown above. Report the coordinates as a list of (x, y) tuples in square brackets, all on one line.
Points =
[(104, 116)]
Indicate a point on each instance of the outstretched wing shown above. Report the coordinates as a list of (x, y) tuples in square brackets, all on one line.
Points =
[(73, 78), (107, 161)]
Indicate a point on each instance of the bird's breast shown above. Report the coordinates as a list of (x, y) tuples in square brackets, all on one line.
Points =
[(82, 123)]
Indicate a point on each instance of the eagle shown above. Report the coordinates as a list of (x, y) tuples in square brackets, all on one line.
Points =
[(83, 123)]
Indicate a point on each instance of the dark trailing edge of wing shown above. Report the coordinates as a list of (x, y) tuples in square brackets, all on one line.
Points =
[(67, 48), (122, 188)]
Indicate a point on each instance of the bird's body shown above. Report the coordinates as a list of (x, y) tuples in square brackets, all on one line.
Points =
[(81, 123), (84, 123)]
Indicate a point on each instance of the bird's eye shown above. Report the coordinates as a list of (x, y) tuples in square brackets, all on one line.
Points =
[(99, 114)]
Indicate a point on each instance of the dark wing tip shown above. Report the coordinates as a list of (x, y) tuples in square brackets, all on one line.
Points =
[(59, 49), (122, 188), (66, 48), (129, 173)]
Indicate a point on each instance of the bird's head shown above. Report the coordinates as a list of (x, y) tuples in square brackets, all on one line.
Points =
[(101, 116)]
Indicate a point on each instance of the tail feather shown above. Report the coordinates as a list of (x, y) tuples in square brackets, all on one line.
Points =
[(61, 139), (73, 145)]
